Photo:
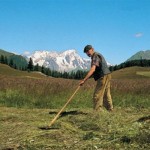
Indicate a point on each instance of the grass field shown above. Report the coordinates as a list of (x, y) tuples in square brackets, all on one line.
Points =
[(131, 73), (143, 73), (119, 130), (6, 70), (31, 100)]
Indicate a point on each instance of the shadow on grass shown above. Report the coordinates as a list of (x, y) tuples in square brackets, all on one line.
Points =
[(66, 113), (48, 128), (63, 114), (142, 119)]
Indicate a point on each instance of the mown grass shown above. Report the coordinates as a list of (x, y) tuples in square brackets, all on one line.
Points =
[(118, 130)]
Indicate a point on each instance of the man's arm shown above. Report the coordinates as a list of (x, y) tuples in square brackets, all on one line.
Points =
[(89, 74)]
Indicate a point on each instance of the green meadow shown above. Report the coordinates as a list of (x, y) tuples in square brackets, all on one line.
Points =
[(31, 100)]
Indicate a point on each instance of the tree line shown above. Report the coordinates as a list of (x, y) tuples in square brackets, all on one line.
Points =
[(79, 74), (5, 60), (140, 63)]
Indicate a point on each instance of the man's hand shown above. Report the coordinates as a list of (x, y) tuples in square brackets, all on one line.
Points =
[(81, 82), (88, 75)]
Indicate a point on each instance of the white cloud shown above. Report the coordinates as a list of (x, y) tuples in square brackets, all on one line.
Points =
[(15, 53), (26, 53), (137, 35)]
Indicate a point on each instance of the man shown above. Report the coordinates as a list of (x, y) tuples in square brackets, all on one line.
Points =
[(101, 74)]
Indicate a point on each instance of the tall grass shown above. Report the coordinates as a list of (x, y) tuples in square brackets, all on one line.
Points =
[(53, 93), (131, 92)]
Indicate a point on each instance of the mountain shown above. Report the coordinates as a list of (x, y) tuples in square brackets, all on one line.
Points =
[(19, 60), (63, 61), (140, 55), (60, 61)]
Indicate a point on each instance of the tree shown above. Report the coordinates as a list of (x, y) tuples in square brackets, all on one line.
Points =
[(65, 75), (72, 75), (48, 72), (6, 60), (30, 65), (36, 67), (15, 66), (43, 70), (11, 63), (2, 59)]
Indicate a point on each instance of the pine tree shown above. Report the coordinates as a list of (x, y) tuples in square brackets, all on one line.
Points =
[(11, 63), (30, 65), (2, 59), (72, 75), (43, 69), (15, 66), (47, 71), (6, 60), (36, 67)]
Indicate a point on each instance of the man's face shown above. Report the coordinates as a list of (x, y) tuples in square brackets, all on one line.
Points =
[(89, 52)]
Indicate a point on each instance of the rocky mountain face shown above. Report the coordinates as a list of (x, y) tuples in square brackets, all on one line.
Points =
[(64, 61)]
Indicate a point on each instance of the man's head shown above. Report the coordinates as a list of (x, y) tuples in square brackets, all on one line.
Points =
[(89, 50)]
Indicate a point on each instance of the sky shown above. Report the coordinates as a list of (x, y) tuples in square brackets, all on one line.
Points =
[(116, 28)]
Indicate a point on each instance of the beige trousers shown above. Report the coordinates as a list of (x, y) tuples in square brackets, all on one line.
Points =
[(102, 96)]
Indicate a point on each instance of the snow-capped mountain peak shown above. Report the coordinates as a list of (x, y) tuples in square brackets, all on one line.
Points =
[(63, 61)]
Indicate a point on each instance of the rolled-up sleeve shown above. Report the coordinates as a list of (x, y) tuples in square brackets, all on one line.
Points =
[(95, 61)]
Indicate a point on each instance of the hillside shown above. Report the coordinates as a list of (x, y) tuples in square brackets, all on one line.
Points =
[(18, 60), (140, 55), (131, 73), (6, 70), (5, 53)]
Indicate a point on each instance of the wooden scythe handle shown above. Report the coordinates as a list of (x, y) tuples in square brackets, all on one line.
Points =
[(52, 122)]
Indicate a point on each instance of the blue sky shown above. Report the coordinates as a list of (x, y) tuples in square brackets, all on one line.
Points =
[(116, 28)]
